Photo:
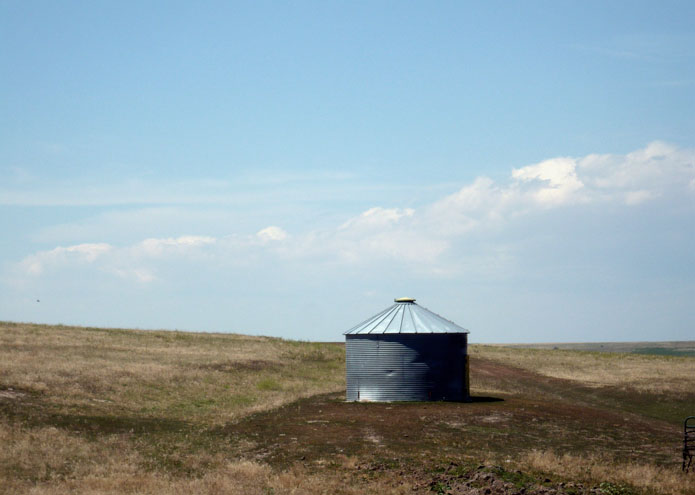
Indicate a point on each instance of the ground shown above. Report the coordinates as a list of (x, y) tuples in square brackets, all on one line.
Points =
[(118, 411)]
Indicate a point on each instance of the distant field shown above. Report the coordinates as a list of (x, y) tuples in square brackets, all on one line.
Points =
[(91, 411), (681, 348)]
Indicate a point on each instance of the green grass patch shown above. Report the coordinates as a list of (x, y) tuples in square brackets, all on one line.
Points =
[(268, 384), (616, 489), (517, 478)]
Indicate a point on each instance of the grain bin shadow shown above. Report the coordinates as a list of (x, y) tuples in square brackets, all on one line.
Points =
[(482, 398)]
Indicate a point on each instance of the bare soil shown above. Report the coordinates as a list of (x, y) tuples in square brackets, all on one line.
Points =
[(436, 446)]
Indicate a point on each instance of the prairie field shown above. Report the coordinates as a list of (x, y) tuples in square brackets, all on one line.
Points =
[(96, 411)]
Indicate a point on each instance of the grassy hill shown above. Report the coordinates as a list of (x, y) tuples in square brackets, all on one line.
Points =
[(86, 410)]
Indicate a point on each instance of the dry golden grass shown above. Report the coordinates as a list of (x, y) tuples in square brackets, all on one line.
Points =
[(244, 477), (644, 373), (657, 479), (185, 384), (47, 461), (213, 378)]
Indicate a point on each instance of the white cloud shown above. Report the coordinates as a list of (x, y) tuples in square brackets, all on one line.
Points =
[(433, 238), (90, 252), (405, 243), (557, 180), (157, 247), (377, 218), (271, 233), (124, 262), (475, 204), (141, 275), (631, 179), (87, 253), (655, 169)]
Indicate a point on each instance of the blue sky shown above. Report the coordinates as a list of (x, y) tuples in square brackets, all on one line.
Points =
[(526, 170)]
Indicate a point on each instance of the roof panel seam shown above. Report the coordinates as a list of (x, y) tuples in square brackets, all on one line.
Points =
[(374, 326)]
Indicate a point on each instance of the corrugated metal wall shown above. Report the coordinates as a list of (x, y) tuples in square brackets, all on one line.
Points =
[(405, 367)]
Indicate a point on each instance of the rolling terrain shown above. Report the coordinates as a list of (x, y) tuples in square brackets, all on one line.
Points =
[(676, 348), (87, 410)]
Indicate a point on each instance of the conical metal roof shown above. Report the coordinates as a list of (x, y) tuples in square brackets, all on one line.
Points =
[(405, 317)]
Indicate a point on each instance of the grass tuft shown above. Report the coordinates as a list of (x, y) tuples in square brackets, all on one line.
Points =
[(269, 384)]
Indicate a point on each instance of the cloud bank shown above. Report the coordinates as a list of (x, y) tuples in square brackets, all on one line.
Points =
[(423, 239)]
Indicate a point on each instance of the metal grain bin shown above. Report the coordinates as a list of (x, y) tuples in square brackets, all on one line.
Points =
[(407, 353)]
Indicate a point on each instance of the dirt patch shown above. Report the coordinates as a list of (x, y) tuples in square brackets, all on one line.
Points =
[(457, 479), (443, 447), (515, 380), (327, 426)]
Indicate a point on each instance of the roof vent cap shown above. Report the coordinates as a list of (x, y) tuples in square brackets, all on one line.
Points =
[(404, 300)]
